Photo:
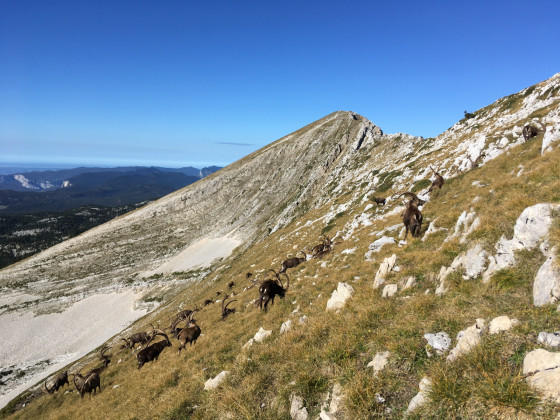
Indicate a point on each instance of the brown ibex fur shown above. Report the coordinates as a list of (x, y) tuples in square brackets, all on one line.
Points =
[(379, 200), (189, 334), (105, 362), (530, 131), (293, 262), (412, 217), (474, 163), (58, 383), (152, 352), (270, 288), (438, 182), (86, 384), (225, 310)]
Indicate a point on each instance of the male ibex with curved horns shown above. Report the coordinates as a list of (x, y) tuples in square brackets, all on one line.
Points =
[(270, 288), (225, 310), (87, 383), (189, 334), (152, 352), (58, 383)]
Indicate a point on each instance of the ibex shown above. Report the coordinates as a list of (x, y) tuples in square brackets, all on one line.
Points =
[(59, 382), (105, 362), (293, 262), (208, 302), (530, 131), (180, 316), (379, 200), (225, 310), (87, 383), (189, 334), (270, 288), (412, 217), (438, 182), (141, 338), (474, 163), (319, 250), (152, 352), (231, 284)]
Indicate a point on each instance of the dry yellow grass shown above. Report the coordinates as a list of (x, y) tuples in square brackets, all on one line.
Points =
[(335, 348)]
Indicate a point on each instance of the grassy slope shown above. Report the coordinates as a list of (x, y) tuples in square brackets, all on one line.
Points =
[(332, 347)]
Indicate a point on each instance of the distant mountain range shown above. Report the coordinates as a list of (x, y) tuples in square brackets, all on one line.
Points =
[(60, 190), (44, 180)]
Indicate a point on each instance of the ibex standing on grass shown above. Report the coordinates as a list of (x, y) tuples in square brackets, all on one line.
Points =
[(270, 288)]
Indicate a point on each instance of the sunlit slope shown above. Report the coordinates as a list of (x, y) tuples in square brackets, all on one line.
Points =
[(328, 194)]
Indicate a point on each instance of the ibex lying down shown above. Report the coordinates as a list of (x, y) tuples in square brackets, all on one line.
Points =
[(141, 338), (293, 262), (270, 288), (530, 131), (412, 217), (58, 383), (152, 352)]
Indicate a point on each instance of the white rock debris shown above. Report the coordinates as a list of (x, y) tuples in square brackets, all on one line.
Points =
[(543, 370), (440, 342), (286, 326), (378, 244), (384, 268), (467, 339), (339, 296), (501, 323), (262, 334), (297, 409), (379, 361), (530, 228), (213, 383), (389, 290), (466, 224), (550, 339), (421, 398)]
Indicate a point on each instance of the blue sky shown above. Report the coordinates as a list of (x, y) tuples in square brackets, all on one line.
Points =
[(179, 83)]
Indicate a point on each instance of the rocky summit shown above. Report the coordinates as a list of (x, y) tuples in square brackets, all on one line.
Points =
[(432, 260)]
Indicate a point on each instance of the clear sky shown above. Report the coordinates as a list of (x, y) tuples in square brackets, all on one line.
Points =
[(179, 83)]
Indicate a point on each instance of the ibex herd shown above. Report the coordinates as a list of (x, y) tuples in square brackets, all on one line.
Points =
[(269, 288)]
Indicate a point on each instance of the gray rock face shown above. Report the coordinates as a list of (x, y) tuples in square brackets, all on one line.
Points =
[(543, 370), (530, 228), (546, 288)]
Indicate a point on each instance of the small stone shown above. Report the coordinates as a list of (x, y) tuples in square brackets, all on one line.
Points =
[(440, 342), (262, 334), (379, 361), (501, 323), (215, 382), (389, 290)]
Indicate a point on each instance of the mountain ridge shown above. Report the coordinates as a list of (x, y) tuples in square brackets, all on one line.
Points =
[(315, 180)]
